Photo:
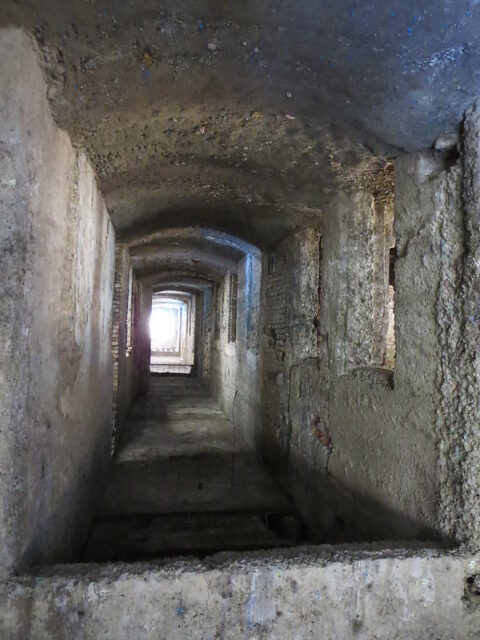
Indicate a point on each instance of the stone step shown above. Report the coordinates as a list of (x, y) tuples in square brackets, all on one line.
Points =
[(153, 536), (206, 483)]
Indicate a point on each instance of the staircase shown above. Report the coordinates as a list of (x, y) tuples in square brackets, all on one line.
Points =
[(184, 481)]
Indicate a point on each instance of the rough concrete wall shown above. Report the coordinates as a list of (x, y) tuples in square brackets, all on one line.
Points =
[(204, 333), (458, 318), (124, 369), (359, 291), (129, 374), (57, 263), (356, 445), (289, 332), (235, 365), (307, 593), (142, 347)]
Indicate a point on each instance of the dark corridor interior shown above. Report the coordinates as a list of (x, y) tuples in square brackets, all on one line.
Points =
[(239, 313), (183, 481)]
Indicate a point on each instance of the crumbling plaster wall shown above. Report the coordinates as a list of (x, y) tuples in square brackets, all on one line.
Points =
[(367, 453), (56, 266), (235, 365)]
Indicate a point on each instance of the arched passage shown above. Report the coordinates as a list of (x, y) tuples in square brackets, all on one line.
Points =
[(172, 332), (220, 275), (198, 137)]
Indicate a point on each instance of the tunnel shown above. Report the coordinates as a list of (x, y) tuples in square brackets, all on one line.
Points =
[(239, 320)]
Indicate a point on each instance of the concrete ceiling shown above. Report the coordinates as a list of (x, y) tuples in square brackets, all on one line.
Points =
[(248, 116), (183, 286), (179, 236), (197, 250), (182, 274), (180, 259)]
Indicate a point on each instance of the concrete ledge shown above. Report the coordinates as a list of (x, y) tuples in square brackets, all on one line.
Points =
[(324, 592)]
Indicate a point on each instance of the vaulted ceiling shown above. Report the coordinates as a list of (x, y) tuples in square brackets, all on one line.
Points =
[(248, 116), (182, 255)]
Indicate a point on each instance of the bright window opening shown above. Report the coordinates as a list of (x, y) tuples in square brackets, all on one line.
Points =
[(172, 324), (165, 328)]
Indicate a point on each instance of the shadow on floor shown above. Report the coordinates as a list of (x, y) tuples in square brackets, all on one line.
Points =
[(184, 481)]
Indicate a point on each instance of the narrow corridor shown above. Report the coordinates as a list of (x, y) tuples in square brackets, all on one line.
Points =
[(184, 481), (239, 320)]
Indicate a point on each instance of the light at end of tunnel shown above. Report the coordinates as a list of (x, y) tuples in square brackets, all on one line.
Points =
[(165, 328)]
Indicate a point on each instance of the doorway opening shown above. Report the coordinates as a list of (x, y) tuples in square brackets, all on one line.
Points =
[(172, 332)]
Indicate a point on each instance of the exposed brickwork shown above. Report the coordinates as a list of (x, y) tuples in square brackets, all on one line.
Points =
[(232, 307), (276, 314), (205, 338), (124, 328), (117, 303), (218, 309)]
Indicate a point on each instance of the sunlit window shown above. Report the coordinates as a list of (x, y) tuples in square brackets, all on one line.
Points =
[(172, 335), (165, 327)]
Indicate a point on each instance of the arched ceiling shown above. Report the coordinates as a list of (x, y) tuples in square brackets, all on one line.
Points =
[(182, 295), (180, 259), (181, 283), (249, 116), (185, 273), (181, 236), (180, 289), (198, 251)]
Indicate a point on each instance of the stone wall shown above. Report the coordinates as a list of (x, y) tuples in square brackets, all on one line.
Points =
[(288, 332), (130, 371), (57, 269), (142, 347), (370, 453), (235, 366), (123, 368), (204, 333), (458, 328)]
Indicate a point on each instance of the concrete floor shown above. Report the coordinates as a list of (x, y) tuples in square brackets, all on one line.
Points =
[(184, 480)]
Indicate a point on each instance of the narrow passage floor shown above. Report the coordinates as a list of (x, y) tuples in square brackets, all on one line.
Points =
[(184, 481)]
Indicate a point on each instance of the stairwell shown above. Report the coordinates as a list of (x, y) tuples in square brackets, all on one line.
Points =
[(184, 481)]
